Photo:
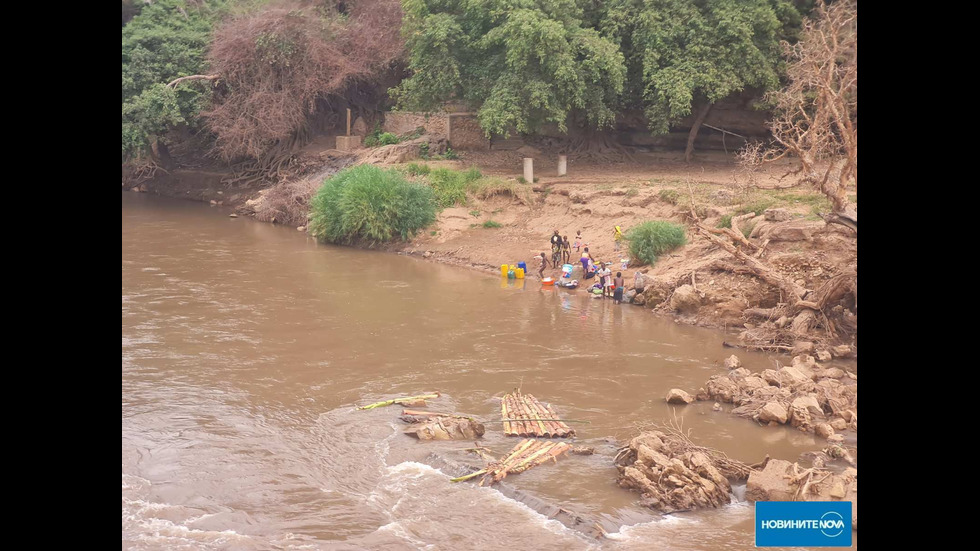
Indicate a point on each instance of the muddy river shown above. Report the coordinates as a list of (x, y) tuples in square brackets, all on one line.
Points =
[(246, 347)]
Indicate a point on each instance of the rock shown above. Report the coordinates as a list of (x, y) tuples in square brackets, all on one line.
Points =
[(639, 299), (823, 430), (732, 362), (678, 396), (771, 376), (842, 351), (628, 295), (529, 151), (808, 403), (837, 489), (802, 347), (774, 412), (823, 355), (804, 362), (426, 254), (301, 228), (832, 373), (716, 407), (752, 383), (836, 439), (777, 215), (788, 231), (782, 321), (789, 376), (800, 418), (685, 300), (233, 215), (738, 374), (702, 395), (771, 483), (838, 424), (722, 389)]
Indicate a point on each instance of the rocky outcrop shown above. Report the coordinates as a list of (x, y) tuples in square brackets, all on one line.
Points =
[(672, 474), (732, 362), (803, 395)]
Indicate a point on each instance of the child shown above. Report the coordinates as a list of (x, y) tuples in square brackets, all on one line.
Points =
[(586, 259), (566, 250), (619, 283), (617, 237), (544, 264), (578, 240), (602, 278)]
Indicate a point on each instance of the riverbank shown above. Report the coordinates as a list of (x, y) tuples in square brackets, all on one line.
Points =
[(700, 283)]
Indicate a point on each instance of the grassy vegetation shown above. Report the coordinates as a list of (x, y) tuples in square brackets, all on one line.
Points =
[(475, 213), (651, 239), (491, 224), (366, 204), (416, 169), (451, 185), (757, 205), (725, 222), (670, 196)]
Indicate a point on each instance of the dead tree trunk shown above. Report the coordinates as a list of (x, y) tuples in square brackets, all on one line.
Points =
[(693, 134)]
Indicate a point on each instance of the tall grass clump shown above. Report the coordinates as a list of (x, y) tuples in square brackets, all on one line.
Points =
[(366, 204), (488, 187), (450, 185), (651, 239)]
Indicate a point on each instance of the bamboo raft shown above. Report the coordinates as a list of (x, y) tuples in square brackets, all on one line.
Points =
[(529, 453), (524, 415)]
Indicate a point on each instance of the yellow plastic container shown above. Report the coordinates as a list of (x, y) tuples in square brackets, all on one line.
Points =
[(519, 273), (503, 270)]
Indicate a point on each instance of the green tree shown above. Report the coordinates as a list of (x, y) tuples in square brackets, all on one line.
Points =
[(525, 62), (686, 55), (167, 39)]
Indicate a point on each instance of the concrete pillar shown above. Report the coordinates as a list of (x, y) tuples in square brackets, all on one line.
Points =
[(562, 164), (529, 170)]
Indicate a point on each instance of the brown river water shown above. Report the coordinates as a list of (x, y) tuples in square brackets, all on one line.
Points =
[(246, 347)]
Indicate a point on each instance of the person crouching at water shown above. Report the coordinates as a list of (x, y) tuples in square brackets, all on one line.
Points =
[(619, 283), (544, 264)]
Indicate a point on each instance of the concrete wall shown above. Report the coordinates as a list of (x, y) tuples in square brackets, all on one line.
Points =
[(461, 130)]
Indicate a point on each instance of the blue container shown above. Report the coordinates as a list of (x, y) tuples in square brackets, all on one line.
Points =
[(522, 266)]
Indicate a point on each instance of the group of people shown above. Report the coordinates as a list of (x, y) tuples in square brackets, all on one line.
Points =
[(561, 250)]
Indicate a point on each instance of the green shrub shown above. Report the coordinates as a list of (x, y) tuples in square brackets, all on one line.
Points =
[(654, 238), (366, 204), (475, 213), (424, 150), (387, 138), (491, 224), (450, 186), (416, 169), (670, 195), (450, 154), (725, 222), (371, 140)]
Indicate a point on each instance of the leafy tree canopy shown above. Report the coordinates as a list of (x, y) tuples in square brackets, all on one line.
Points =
[(165, 40), (526, 62), (697, 51)]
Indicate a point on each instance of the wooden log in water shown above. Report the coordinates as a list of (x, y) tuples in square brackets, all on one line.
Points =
[(551, 428)]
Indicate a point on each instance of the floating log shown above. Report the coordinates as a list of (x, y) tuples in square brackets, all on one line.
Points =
[(403, 401), (525, 455), (524, 415)]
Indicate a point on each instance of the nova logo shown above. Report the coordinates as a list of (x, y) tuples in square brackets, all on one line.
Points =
[(808, 523)]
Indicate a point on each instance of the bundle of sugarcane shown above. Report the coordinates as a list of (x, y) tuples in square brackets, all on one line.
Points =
[(529, 453), (411, 401), (523, 415)]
